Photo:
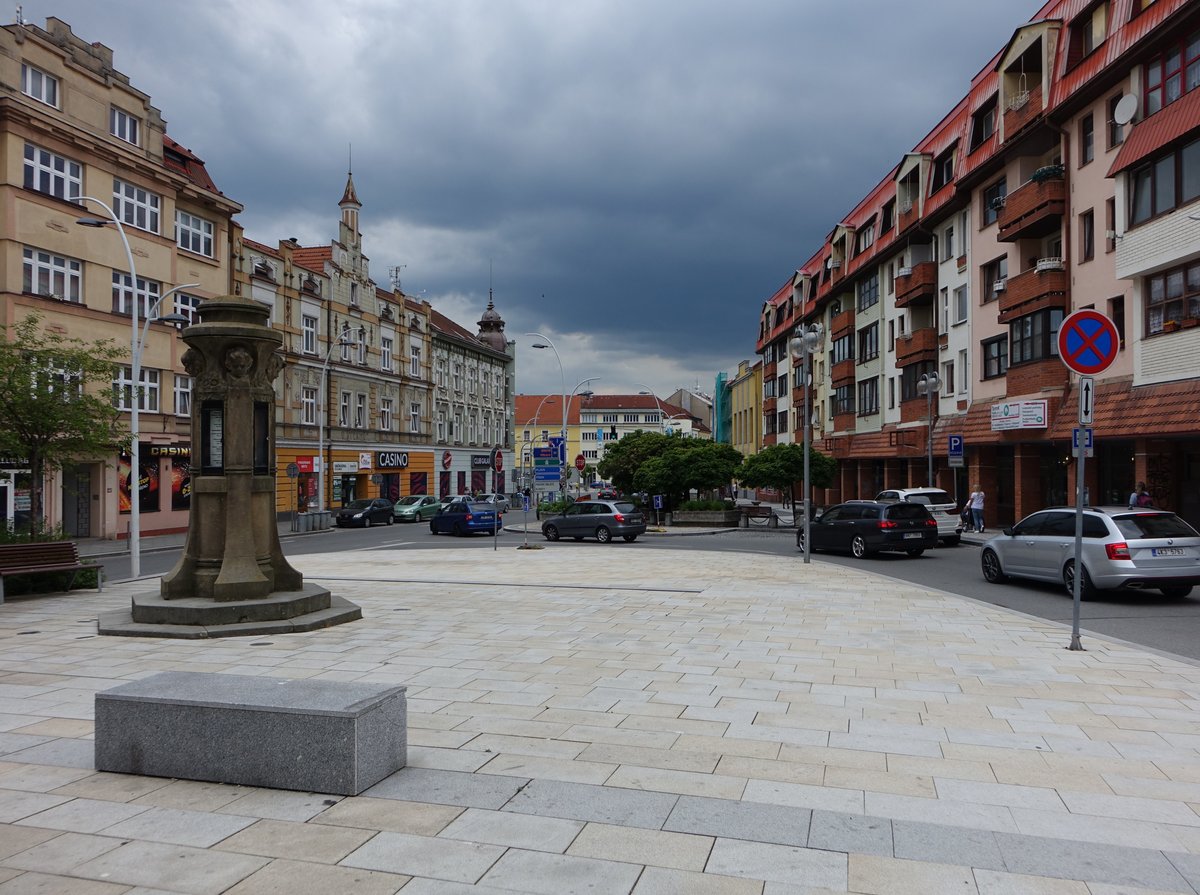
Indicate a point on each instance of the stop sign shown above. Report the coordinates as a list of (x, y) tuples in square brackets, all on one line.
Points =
[(498, 461), (580, 462)]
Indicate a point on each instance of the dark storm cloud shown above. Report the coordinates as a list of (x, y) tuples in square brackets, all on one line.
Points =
[(654, 169)]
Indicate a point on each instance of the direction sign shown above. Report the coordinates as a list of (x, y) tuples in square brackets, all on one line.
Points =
[(544, 453), (1088, 342), (560, 445), (547, 474), (1087, 400)]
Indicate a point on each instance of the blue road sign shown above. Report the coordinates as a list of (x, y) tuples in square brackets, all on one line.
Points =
[(1085, 439), (658, 501), (558, 443), (547, 474), (954, 445), (544, 453)]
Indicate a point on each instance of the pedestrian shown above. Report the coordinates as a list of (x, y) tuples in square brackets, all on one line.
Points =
[(1140, 497), (975, 502)]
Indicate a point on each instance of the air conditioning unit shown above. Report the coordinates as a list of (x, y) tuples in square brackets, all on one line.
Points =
[(904, 272), (1045, 264), (999, 285)]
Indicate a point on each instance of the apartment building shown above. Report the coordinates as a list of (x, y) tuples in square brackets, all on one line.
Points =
[(1067, 177), (74, 130)]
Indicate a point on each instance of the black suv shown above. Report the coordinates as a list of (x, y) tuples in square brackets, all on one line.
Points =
[(862, 527)]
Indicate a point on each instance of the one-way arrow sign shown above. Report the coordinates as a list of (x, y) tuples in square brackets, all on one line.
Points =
[(1086, 402)]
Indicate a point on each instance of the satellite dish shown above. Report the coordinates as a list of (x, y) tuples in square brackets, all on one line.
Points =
[(1126, 108)]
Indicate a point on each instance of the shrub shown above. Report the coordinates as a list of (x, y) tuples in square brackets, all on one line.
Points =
[(709, 506)]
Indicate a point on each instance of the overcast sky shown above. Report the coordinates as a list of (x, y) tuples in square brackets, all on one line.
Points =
[(633, 177)]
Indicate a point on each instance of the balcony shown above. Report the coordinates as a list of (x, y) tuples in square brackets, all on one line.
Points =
[(1033, 210), (842, 373), (920, 345), (909, 215), (768, 404), (918, 286), (1044, 286), (1023, 110), (914, 410), (844, 422), (843, 321)]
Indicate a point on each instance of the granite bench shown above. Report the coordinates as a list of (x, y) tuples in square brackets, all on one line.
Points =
[(312, 736)]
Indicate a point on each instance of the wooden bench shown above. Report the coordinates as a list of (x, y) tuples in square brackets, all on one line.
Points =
[(43, 556), (766, 514)]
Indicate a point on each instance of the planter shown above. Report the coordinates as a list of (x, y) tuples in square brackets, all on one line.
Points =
[(707, 518)]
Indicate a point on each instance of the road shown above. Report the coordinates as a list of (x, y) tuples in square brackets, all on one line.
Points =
[(1148, 620)]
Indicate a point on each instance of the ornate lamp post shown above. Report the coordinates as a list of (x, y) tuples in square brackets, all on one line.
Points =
[(804, 346), (927, 385)]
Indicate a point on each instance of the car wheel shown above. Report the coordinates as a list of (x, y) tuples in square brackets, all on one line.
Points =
[(432, 528), (800, 540), (366, 521), (550, 532), (858, 546), (952, 542), (1087, 590), (1178, 592), (390, 519), (629, 539), (603, 535), (990, 563), (458, 530), (915, 552)]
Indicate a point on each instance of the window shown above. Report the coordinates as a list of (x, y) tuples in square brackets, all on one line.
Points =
[(781, 421), (122, 125), (948, 244), (52, 174), (1087, 139), (1087, 235), (842, 349), (994, 273), (354, 295), (414, 360), (124, 295), (842, 400), (983, 122), (344, 410), (194, 234), (995, 357), (868, 342), (183, 395), (458, 377), (1172, 73), (414, 417), (864, 238), (631, 417), (56, 378), (360, 411), (308, 333), (993, 201), (891, 393), (961, 301), (868, 397), (38, 84), (1110, 225), (308, 406), (1116, 132), (361, 346), (891, 278), (963, 378), (610, 418), (346, 341), (52, 275), (147, 392), (887, 221), (910, 376), (948, 375), (1116, 313), (385, 414), (1034, 337), (385, 354), (188, 306), (441, 426), (440, 372), (1165, 183), (944, 312), (943, 170), (1172, 296), (135, 206), (868, 292)]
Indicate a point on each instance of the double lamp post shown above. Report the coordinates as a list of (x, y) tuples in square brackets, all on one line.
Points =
[(804, 346)]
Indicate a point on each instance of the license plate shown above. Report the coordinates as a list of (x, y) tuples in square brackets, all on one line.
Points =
[(912, 534), (1168, 551)]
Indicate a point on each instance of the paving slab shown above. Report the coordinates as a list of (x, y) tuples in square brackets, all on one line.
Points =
[(579, 801), (776, 824)]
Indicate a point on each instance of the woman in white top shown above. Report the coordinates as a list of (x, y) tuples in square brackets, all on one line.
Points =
[(975, 502)]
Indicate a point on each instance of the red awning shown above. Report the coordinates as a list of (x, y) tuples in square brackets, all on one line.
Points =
[(1155, 132)]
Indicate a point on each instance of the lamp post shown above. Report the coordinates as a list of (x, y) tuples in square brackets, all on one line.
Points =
[(804, 346), (137, 340), (546, 343), (662, 415), (341, 342), (927, 385)]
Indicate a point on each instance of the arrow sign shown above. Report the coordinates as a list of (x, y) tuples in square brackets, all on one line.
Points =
[(1086, 402)]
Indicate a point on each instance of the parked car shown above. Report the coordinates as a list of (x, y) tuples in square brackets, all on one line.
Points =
[(498, 500), (863, 527), (416, 508), (365, 512), (1123, 549), (941, 506), (463, 517), (599, 519)]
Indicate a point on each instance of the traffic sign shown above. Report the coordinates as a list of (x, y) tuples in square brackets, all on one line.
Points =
[(954, 449), (1088, 342), (544, 453), (1084, 437), (1087, 402), (498, 460), (547, 474), (560, 445), (658, 501), (580, 462), (293, 470)]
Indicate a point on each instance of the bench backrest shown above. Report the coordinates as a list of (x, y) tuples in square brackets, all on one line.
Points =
[(43, 553)]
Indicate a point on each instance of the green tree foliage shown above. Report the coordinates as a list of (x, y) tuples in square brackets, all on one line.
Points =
[(668, 464), (780, 466), (623, 458), (55, 401)]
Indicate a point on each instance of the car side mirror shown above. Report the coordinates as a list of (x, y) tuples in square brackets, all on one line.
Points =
[(1008, 531)]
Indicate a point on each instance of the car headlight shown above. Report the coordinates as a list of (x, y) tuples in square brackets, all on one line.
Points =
[(358, 515)]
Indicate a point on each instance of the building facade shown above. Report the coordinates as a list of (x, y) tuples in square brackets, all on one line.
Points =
[(1068, 177), (74, 130)]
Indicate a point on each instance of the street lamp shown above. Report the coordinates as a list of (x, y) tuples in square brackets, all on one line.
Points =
[(662, 415), (804, 346), (342, 342), (927, 385), (137, 340), (546, 343)]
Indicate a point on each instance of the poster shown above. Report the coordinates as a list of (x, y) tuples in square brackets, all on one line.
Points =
[(147, 480), (181, 483)]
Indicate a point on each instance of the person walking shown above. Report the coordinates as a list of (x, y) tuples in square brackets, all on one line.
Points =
[(975, 502), (1140, 497)]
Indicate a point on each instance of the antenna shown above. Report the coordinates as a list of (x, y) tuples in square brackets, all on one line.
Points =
[(394, 276), (1125, 109), (20, 17)]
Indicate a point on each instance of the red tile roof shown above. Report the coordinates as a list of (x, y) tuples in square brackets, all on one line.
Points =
[(1180, 118), (313, 257), (183, 161)]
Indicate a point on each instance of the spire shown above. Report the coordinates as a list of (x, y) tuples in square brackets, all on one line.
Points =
[(491, 326), (350, 205), (350, 197)]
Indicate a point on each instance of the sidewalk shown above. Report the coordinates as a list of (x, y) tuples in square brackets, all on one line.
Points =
[(669, 722)]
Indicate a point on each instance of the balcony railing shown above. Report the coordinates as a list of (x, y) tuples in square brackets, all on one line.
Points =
[(842, 372), (1020, 113), (1033, 210), (918, 286), (1032, 290), (842, 322), (917, 346)]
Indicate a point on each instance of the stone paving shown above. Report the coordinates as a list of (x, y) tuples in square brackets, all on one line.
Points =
[(629, 719)]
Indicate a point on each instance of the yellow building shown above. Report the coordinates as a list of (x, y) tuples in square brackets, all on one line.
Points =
[(745, 405)]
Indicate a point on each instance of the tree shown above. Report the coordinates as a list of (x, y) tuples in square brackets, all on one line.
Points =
[(780, 466), (623, 458), (685, 464), (56, 402)]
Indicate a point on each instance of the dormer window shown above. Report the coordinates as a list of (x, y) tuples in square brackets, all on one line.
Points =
[(1172, 73), (983, 122), (943, 170), (123, 126)]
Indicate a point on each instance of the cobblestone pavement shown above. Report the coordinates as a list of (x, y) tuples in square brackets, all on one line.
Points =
[(631, 720)]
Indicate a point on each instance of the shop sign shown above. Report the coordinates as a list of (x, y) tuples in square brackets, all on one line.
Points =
[(1018, 415), (481, 461), (305, 464), (7, 462), (345, 466), (391, 459), (447, 459), (170, 450), (364, 459)]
